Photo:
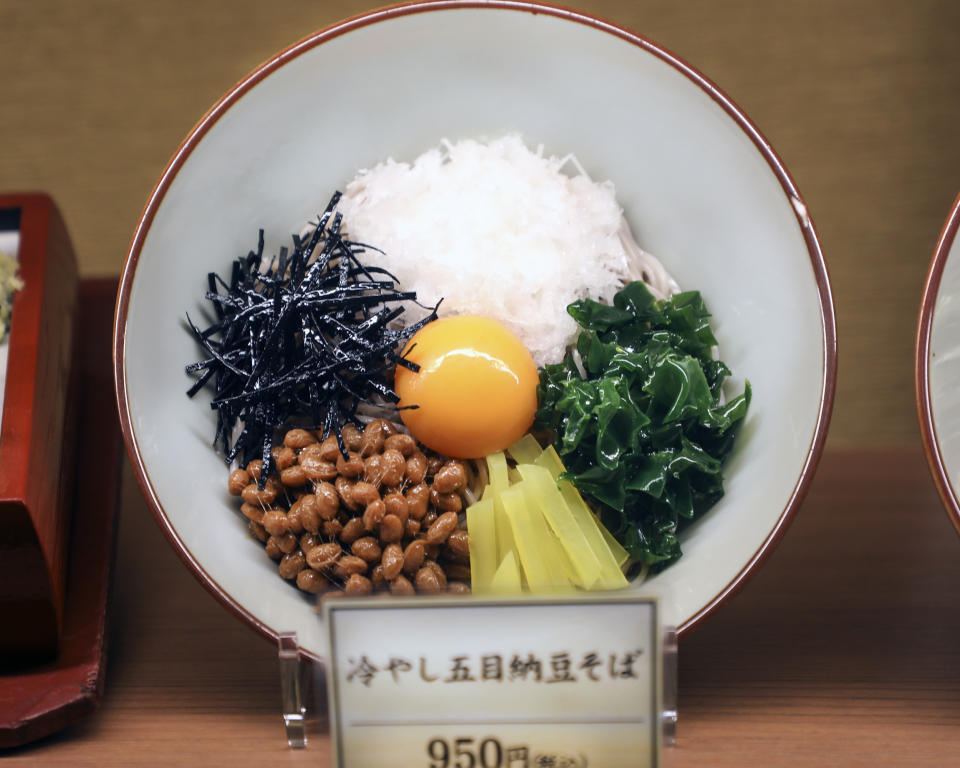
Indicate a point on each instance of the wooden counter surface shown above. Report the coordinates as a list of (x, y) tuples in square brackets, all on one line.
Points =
[(843, 651)]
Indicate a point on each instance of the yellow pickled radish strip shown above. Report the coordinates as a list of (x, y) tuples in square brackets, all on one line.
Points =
[(504, 532), (499, 482), (563, 524), (612, 577), (483, 545), (535, 569), (497, 469), (569, 572), (559, 567), (550, 460), (616, 549), (507, 577), (525, 450), (538, 529)]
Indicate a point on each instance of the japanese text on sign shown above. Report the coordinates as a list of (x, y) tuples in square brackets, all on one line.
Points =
[(558, 667)]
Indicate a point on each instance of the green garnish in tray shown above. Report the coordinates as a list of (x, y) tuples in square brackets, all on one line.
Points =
[(9, 285), (644, 434)]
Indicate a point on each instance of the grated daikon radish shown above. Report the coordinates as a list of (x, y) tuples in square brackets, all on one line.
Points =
[(496, 229)]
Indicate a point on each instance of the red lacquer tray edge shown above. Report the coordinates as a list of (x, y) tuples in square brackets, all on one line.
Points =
[(37, 701)]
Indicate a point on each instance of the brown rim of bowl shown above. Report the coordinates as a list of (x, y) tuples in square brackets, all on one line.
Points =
[(928, 429), (381, 14)]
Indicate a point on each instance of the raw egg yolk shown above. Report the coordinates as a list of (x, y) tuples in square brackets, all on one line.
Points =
[(476, 390)]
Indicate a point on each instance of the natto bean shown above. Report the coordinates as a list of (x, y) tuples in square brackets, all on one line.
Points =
[(434, 566), (452, 477), (283, 457), (449, 502), (266, 495), (426, 581), (252, 512), (348, 565), (308, 510), (377, 577), (290, 565), (310, 581), (416, 469), (351, 437), (353, 529), (273, 550), (373, 438), (331, 528), (314, 466), (308, 542), (373, 514), (328, 502), (299, 438), (294, 524), (396, 504), (324, 555), (373, 469), (442, 527), (459, 542), (275, 521), (287, 543), (350, 467), (357, 585), (258, 531), (413, 556), (401, 587), (364, 493), (400, 442), (366, 547), (345, 492), (391, 529), (394, 467), (418, 497), (330, 449), (434, 463), (392, 563), (239, 479), (457, 572)]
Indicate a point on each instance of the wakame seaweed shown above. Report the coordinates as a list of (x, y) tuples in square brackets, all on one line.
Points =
[(644, 434), (305, 337)]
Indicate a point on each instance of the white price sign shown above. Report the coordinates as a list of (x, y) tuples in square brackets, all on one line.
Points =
[(485, 683)]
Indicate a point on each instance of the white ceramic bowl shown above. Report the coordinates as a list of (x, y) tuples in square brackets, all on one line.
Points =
[(702, 189), (938, 365)]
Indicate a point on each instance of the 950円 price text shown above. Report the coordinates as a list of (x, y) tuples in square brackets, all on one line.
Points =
[(490, 752)]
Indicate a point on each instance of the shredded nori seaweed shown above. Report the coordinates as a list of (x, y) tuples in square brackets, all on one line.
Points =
[(304, 338)]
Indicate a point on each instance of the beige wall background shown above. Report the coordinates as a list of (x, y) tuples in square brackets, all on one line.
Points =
[(860, 99)]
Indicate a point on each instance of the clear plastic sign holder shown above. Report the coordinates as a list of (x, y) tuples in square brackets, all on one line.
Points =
[(304, 699), (294, 689), (670, 684), (303, 693)]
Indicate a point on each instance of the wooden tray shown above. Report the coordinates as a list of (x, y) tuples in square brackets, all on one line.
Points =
[(37, 700), (38, 436)]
